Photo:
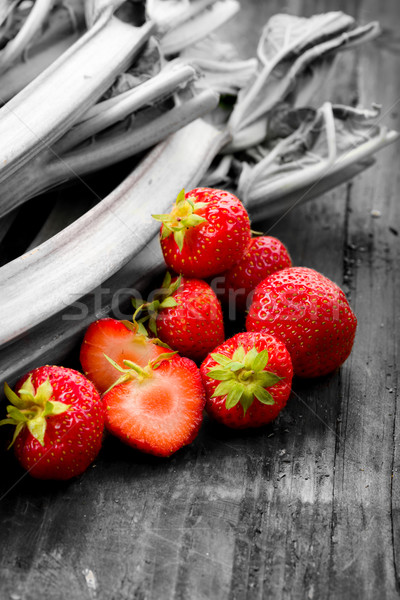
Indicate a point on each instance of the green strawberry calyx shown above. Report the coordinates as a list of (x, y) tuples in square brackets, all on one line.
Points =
[(137, 328), (140, 330), (162, 299), (134, 371), (31, 408), (243, 377), (182, 217)]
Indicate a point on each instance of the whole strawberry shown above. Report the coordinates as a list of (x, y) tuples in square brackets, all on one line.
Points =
[(186, 315), (158, 408), (264, 255), (205, 234), (310, 314), (247, 380), (59, 422)]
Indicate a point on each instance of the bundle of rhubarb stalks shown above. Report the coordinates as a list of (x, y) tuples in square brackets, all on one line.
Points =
[(90, 83)]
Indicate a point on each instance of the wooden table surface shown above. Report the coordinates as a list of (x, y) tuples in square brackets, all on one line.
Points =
[(308, 507)]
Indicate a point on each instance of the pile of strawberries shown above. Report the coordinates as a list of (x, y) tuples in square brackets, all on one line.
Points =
[(153, 393)]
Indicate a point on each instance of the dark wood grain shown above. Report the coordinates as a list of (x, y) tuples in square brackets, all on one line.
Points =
[(307, 507)]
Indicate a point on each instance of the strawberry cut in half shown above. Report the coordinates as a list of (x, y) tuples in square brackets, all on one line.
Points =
[(118, 340), (310, 314), (59, 422), (205, 234), (157, 409), (186, 315), (247, 380), (264, 255)]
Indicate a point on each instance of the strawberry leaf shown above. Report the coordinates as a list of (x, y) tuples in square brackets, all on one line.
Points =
[(219, 374), (16, 415), (154, 364), (250, 358), (19, 427), (13, 397), (179, 237), (161, 218), (128, 324), (27, 390), (141, 329), (153, 306), (114, 364), (165, 231), (153, 326), (180, 197), (169, 302), (267, 379), (222, 389), (200, 205), (221, 359), (194, 220), (235, 366), (55, 408), (8, 421), (246, 400), (234, 396), (160, 343), (37, 427), (239, 354), (127, 376), (260, 361), (43, 393), (167, 280), (263, 396)]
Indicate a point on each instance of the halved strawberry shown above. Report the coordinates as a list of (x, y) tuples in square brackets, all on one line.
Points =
[(118, 340), (159, 408)]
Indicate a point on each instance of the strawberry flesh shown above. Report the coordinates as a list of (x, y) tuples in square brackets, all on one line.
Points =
[(160, 413)]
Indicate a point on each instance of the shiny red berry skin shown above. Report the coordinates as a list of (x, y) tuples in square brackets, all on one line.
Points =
[(195, 325), (264, 255), (258, 414), (214, 245), (310, 314), (72, 439)]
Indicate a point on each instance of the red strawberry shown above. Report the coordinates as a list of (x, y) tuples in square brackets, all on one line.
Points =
[(264, 256), (118, 340), (247, 380), (157, 409), (310, 314), (59, 421), (205, 234), (186, 315)]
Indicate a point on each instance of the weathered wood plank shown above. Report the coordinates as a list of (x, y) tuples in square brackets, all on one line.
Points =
[(280, 513), (366, 509)]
